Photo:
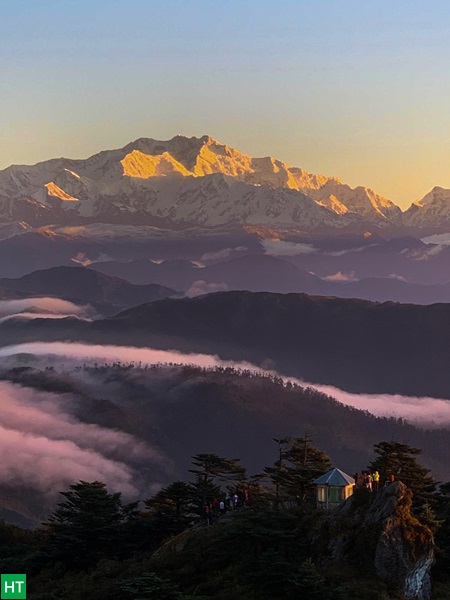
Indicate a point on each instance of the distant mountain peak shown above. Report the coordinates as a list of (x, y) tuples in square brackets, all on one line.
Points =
[(433, 210), (140, 165), (191, 181)]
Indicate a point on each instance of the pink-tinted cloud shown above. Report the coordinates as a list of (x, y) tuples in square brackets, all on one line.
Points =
[(44, 447), (35, 315), (44, 305), (340, 276), (419, 410)]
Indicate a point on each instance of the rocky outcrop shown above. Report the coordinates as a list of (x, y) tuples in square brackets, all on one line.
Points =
[(405, 547), (378, 532)]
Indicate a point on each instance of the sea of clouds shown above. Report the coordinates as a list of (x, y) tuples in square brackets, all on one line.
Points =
[(45, 447), (42, 307), (421, 411)]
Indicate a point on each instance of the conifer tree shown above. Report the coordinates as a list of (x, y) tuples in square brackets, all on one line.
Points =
[(86, 526), (173, 501), (211, 467), (298, 465), (400, 460), (210, 471)]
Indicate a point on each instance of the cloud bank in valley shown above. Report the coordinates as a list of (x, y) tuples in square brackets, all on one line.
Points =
[(426, 411), (283, 248), (420, 410), (44, 447), (45, 307), (223, 254)]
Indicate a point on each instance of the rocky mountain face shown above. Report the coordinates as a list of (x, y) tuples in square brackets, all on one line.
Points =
[(184, 182), (387, 535), (433, 210)]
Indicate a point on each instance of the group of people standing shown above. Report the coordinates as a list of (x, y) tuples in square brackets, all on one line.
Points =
[(216, 507), (370, 481)]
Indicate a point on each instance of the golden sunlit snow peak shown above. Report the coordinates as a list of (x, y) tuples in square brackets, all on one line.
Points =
[(57, 192), (215, 158), (143, 166)]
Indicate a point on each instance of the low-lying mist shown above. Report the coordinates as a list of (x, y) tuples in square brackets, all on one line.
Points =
[(422, 411), (42, 307), (45, 447), (134, 417)]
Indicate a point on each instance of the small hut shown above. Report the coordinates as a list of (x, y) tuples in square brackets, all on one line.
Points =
[(333, 488)]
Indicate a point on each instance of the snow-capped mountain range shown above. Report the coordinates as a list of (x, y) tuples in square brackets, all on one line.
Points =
[(185, 182)]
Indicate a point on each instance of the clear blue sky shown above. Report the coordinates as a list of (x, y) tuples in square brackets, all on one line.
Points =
[(356, 89)]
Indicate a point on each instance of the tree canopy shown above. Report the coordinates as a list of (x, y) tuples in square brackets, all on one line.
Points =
[(400, 460), (299, 463), (86, 525)]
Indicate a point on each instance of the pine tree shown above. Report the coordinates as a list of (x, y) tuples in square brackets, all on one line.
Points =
[(86, 526), (170, 509), (400, 460), (210, 471), (211, 467), (298, 465), (173, 501)]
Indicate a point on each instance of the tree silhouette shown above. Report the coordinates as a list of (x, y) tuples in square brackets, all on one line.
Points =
[(400, 460), (173, 501), (297, 467), (211, 471), (86, 526), (211, 467)]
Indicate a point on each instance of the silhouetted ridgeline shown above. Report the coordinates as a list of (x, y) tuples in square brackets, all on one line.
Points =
[(185, 410), (353, 344), (267, 543)]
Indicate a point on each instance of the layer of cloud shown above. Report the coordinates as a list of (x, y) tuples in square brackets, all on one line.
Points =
[(200, 287), (424, 253), (35, 315), (222, 254), (45, 306), (282, 248), (439, 238), (396, 276), (424, 411), (349, 250), (54, 352), (340, 276), (82, 259), (44, 447)]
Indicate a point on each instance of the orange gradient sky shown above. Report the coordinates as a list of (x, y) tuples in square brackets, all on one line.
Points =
[(356, 90)]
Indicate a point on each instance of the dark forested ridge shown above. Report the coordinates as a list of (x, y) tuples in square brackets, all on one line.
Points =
[(180, 411), (224, 535), (357, 345)]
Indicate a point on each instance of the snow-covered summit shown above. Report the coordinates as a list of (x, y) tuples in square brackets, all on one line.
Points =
[(187, 181), (433, 210)]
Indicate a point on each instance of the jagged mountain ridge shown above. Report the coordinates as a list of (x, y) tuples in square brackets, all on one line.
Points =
[(432, 210), (184, 182)]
